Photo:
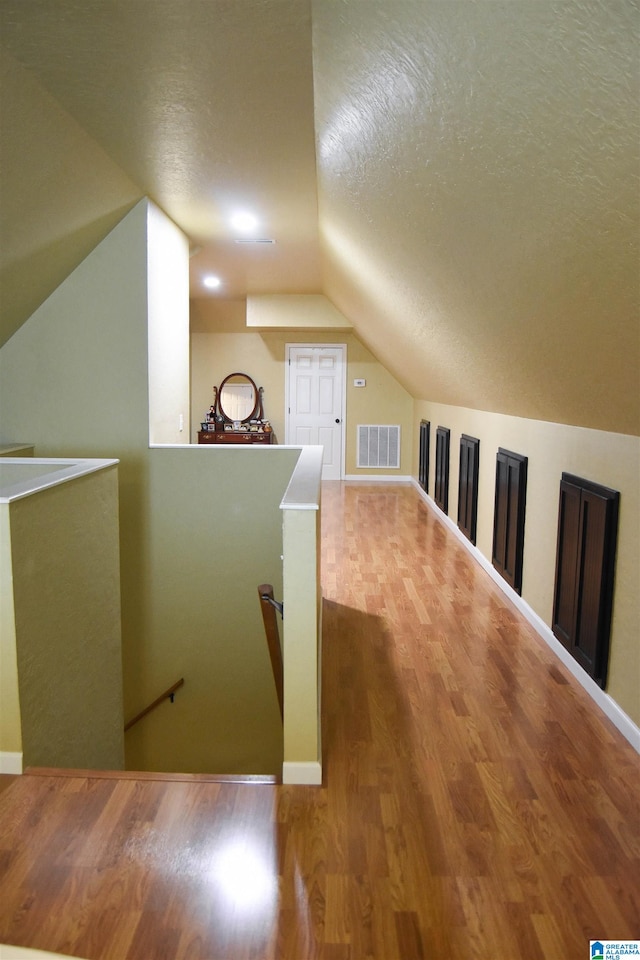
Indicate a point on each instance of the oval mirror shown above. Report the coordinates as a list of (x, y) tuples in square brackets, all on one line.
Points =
[(238, 397)]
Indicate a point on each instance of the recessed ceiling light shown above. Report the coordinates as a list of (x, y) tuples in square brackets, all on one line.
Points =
[(211, 282), (244, 222)]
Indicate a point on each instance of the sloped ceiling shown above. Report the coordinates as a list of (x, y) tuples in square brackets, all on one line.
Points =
[(205, 105), (459, 178), (477, 169)]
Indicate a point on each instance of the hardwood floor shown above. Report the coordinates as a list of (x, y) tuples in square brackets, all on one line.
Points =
[(476, 803)]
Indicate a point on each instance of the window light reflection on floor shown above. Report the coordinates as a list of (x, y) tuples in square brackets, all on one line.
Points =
[(245, 875)]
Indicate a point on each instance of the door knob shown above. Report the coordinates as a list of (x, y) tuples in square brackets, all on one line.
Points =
[(337, 419)]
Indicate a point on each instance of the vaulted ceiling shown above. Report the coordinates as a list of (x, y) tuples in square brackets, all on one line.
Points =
[(459, 178)]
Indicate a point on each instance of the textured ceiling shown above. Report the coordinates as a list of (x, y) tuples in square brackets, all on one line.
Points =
[(459, 178), (478, 185), (206, 105)]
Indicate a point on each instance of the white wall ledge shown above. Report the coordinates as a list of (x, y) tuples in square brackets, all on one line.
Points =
[(303, 491), (23, 476)]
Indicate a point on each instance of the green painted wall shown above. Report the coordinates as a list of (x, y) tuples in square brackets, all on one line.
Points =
[(66, 591), (216, 534), (73, 380)]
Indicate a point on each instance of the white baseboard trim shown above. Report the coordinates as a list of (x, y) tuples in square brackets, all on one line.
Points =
[(302, 772), (609, 707), (10, 762), (376, 478)]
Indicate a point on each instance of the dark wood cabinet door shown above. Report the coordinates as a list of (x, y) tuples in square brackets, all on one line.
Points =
[(509, 514), (589, 585), (585, 561), (468, 486), (566, 562), (423, 462), (499, 554), (441, 492)]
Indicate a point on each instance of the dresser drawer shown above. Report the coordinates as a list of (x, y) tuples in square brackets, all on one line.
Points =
[(234, 437)]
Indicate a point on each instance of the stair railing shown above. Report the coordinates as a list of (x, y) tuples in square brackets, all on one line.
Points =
[(167, 695), (269, 607)]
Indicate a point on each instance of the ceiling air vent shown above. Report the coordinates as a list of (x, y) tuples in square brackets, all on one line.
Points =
[(378, 446), (254, 241)]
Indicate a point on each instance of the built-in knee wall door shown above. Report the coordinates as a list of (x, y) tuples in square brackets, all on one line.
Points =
[(423, 456), (508, 518), (441, 492), (468, 486), (585, 562)]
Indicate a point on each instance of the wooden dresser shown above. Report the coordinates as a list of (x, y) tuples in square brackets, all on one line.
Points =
[(234, 436)]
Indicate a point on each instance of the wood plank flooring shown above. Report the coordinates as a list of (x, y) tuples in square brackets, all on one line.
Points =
[(476, 803)]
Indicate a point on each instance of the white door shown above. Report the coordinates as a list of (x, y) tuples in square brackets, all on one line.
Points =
[(315, 393)]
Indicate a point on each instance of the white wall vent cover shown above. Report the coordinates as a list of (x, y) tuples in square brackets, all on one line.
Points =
[(378, 446)]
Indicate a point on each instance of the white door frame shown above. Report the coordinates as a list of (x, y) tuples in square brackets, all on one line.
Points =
[(343, 393)]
